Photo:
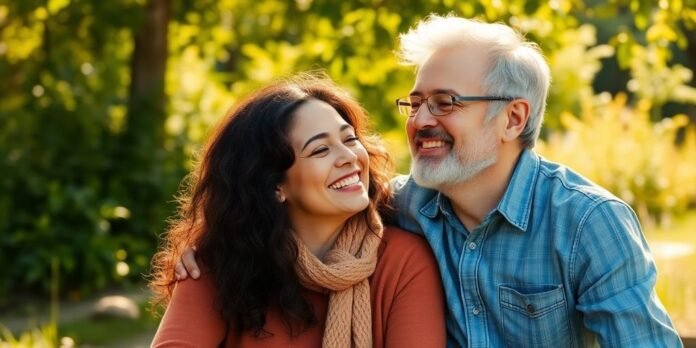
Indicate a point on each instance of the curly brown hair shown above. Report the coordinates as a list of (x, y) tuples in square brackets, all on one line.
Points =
[(229, 210)]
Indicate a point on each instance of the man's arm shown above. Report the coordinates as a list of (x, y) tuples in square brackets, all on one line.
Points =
[(614, 277), (187, 265)]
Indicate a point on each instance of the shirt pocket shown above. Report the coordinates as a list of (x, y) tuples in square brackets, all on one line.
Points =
[(535, 317)]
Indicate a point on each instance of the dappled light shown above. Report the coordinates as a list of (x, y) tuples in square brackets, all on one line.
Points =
[(105, 107), (670, 250)]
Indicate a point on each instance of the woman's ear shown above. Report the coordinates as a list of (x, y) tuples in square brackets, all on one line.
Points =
[(280, 194), (517, 116)]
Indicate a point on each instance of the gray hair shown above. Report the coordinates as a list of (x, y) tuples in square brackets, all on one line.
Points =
[(518, 68)]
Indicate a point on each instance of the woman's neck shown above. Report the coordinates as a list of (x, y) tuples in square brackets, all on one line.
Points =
[(319, 235)]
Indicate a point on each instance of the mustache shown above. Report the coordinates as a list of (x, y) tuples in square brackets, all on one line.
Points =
[(433, 133)]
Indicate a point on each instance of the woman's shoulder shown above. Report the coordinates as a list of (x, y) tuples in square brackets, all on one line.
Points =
[(400, 239), (193, 290), (399, 243), (191, 318), (408, 303)]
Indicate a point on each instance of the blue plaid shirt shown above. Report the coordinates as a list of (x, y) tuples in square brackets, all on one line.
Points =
[(560, 262)]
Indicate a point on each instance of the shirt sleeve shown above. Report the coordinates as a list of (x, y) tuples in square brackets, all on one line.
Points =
[(191, 319), (614, 275), (417, 314)]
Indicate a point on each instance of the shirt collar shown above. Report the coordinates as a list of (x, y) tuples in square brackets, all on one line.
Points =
[(431, 208), (440, 204), (516, 203)]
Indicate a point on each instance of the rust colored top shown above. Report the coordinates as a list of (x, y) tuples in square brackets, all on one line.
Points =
[(408, 308)]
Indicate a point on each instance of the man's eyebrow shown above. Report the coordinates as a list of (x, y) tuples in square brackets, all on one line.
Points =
[(324, 135), (447, 91), (435, 91)]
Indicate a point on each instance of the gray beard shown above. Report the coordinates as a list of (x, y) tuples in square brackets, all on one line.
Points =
[(458, 166)]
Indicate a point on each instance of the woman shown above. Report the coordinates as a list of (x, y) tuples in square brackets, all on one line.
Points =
[(285, 214)]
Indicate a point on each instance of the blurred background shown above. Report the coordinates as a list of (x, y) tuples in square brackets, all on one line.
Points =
[(105, 103)]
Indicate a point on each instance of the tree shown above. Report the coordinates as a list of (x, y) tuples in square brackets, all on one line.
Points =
[(103, 104)]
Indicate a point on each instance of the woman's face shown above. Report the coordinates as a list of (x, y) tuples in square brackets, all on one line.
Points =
[(329, 178)]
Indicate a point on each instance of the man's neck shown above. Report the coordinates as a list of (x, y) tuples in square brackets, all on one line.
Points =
[(473, 199)]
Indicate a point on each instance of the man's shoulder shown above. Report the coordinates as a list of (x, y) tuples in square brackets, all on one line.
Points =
[(405, 189), (399, 182), (559, 180), (409, 202)]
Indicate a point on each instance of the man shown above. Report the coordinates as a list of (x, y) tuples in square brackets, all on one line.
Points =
[(531, 254)]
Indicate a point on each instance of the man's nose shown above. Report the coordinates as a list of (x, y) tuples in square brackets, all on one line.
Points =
[(424, 118)]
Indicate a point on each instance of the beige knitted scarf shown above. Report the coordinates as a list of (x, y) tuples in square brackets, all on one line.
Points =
[(344, 272)]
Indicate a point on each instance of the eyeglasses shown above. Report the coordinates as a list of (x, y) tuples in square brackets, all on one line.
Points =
[(439, 104)]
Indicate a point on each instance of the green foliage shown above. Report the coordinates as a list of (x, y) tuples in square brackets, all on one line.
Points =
[(617, 146), (67, 192), (81, 182)]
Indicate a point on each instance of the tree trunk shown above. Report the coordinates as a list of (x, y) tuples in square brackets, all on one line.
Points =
[(146, 106), (141, 159)]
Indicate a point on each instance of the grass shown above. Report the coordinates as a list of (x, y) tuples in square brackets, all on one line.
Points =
[(46, 335), (674, 249), (104, 331), (37, 338), (84, 332)]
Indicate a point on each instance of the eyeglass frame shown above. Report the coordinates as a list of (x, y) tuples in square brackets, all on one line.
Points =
[(455, 98)]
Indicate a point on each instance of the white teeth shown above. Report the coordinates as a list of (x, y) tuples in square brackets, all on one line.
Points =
[(433, 143), (353, 179)]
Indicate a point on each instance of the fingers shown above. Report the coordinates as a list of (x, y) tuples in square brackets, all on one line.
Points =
[(189, 260), (180, 271)]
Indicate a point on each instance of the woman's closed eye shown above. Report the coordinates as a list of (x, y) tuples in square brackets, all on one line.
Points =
[(351, 140), (322, 150)]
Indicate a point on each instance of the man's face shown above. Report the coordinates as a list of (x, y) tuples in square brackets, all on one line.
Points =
[(454, 148)]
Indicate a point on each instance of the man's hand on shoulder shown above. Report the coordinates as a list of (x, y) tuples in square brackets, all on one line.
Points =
[(187, 265)]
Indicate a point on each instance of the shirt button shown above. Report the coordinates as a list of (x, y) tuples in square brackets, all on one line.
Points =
[(476, 311), (530, 308), (472, 245)]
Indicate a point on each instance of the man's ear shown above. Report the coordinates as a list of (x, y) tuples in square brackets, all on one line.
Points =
[(517, 113)]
